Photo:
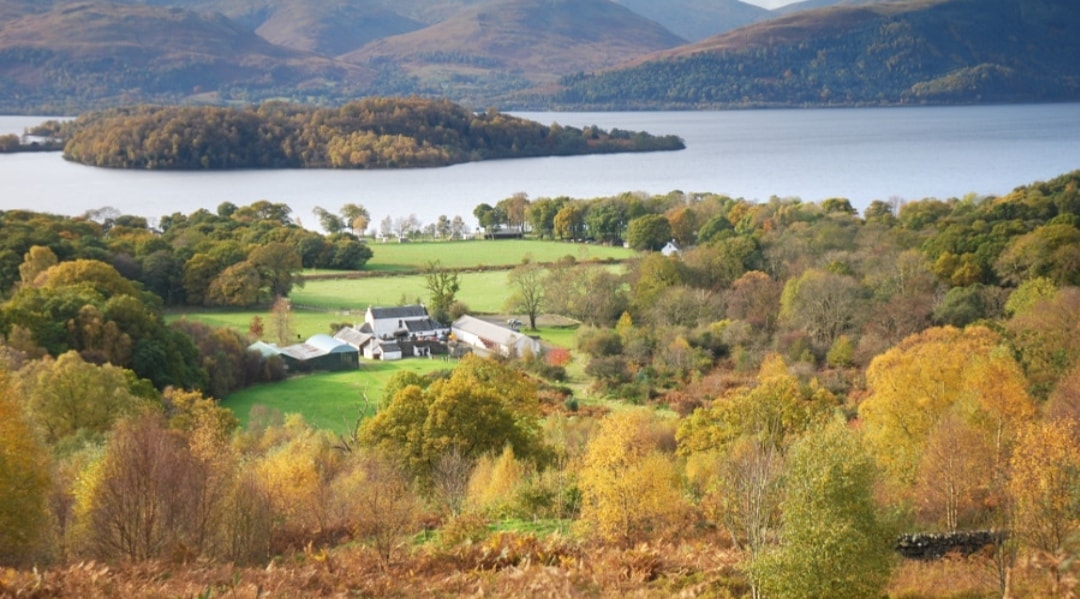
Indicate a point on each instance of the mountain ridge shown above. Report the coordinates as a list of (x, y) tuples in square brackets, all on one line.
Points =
[(70, 55), (918, 51)]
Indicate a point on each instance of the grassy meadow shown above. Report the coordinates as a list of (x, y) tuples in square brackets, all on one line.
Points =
[(328, 400), (404, 257)]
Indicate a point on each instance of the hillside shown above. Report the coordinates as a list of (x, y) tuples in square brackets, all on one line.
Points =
[(521, 42), (97, 53), (924, 51), (698, 19), (328, 27)]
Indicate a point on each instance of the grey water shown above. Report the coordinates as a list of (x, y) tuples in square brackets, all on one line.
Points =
[(861, 154)]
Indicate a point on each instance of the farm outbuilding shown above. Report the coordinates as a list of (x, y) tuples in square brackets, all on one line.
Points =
[(321, 352), (488, 338)]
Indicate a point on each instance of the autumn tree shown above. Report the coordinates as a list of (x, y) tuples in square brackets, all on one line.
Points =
[(959, 477), (527, 283), (941, 370), (68, 395), (36, 261), (356, 217), (379, 503), (137, 502), (278, 266), (755, 298), (24, 482), (1046, 338), (1044, 477), (823, 304), (281, 322), (330, 222), (442, 286), (775, 411), (237, 285), (833, 542), (483, 406), (649, 232), (630, 488)]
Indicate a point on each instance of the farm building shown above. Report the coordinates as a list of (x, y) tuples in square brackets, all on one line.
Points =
[(403, 321), (320, 352), (488, 338), (383, 349)]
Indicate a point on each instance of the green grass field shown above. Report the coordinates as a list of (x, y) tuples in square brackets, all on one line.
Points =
[(330, 401), (390, 257), (483, 292)]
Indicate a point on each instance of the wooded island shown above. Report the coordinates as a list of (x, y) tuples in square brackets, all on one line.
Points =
[(370, 133)]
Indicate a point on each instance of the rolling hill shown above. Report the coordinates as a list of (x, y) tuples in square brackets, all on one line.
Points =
[(538, 39), (921, 51), (698, 19), (96, 54), (523, 42), (327, 27), (71, 55)]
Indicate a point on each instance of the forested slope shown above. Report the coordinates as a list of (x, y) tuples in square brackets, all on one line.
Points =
[(939, 51)]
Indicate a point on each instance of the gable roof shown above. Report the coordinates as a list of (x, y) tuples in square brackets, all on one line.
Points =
[(489, 332), (423, 324), (316, 346), (398, 312), (266, 349), (353, 336)]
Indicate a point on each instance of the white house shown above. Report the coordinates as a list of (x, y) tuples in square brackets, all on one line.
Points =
[(489, 338), (403, 321)]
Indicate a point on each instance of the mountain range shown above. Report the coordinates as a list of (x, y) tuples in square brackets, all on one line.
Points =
[(64, 56)]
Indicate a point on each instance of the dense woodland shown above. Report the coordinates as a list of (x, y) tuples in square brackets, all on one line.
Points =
[(371, 133), (914, 53), (760, 414)]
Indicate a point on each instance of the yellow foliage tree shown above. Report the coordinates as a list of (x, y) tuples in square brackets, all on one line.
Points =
[(775, 411), (913, 385), (68, 394), (493, 482), (630, 489), (296, 476), (481, 408), (24, 483), (1043, 484)]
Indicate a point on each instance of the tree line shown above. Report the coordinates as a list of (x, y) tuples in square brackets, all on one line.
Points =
[(369, 133)]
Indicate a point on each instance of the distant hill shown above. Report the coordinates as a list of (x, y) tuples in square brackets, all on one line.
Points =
[(95, 53), (812, 4), (698, 19), (923, 51), (523, 42), (327, 27)]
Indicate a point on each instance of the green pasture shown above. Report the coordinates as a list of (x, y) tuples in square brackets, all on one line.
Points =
[(330, 401), (389, 257), (483, 292), (305, 322)]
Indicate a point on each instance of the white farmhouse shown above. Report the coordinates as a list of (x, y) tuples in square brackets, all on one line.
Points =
[(403, 321), (487, 338)]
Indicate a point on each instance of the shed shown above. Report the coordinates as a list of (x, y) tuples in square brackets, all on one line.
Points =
[(489, 338), (321, 352)]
